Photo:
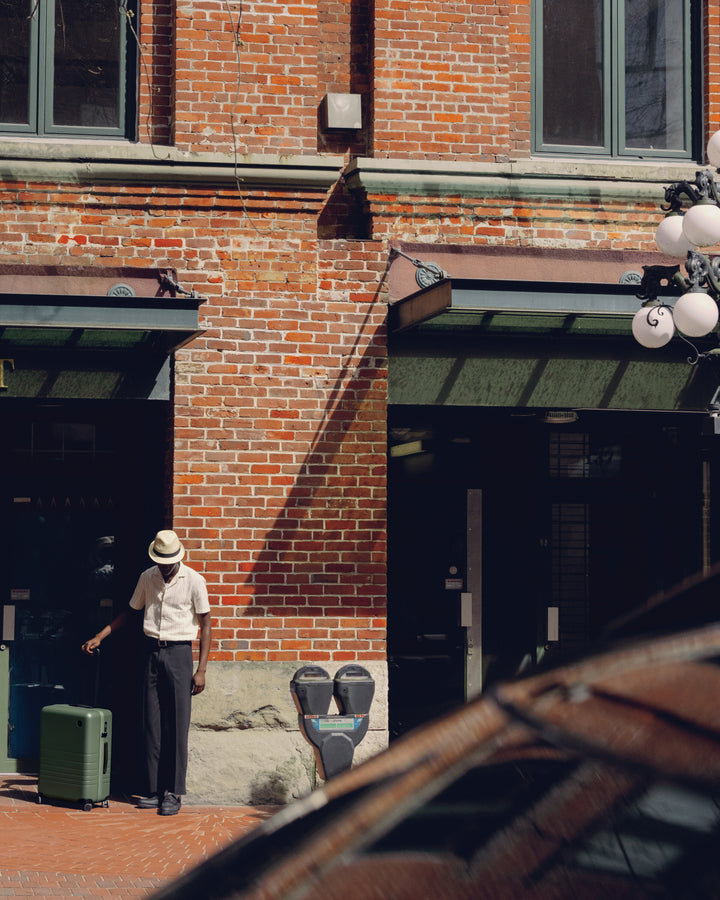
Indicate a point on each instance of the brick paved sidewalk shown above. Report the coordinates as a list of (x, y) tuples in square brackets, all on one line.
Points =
[(55, 850)]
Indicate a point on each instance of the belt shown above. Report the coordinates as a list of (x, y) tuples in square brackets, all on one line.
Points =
[(156, 642)]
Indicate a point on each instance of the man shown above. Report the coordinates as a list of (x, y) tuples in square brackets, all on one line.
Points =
[(174, 598)]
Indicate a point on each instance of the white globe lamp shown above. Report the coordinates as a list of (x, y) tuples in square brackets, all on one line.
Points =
[(701, 224), (713, 150), (670, 237), (652, 326), (695, 314)]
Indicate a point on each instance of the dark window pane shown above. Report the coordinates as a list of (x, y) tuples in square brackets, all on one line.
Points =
[(87, 63), (654, 74), (573, 72), (15, 19)]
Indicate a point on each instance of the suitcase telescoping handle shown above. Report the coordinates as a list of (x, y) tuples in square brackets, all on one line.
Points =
[(95, 653)]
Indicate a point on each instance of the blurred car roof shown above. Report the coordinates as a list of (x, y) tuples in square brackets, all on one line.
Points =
[(599, 778)]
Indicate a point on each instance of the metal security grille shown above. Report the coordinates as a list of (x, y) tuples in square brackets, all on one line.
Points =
[(575, 455), (569, 561), (569, 454)]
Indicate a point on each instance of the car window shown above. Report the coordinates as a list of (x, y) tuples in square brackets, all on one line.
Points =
[(464, 815), (654, 835)]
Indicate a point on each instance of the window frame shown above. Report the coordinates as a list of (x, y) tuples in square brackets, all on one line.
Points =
[(41, 80), (613, 110)]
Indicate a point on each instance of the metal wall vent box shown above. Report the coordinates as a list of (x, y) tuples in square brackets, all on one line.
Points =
[(342, 111)]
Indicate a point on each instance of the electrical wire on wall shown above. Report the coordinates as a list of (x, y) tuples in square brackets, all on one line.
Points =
[(237, 42)]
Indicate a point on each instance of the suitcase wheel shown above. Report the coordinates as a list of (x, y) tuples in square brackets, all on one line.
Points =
[(87, 805), (39, 798)]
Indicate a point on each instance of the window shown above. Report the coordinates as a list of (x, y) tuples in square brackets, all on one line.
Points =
[(613, 78), (64, 67)]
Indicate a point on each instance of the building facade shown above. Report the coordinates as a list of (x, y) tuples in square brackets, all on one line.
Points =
[(339, 292)]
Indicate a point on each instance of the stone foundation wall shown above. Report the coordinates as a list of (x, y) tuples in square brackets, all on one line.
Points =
[(245, 744)]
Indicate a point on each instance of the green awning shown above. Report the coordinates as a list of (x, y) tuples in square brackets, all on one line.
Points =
[(154, 324), (505, 306), (92, 347), (529, 345)]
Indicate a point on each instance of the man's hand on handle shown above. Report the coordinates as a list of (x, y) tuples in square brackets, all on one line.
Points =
[(92, 645)]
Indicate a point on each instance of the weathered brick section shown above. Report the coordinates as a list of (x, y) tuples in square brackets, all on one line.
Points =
[(602, 225), (441, 80), (280, 444), (246, 76), (519, 67), (153, 34), (284, 405), (345, 50)]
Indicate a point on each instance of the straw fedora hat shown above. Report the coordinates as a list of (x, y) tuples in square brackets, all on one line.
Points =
[(166, 549)]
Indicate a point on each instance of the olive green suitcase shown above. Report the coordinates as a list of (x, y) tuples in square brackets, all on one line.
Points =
[(75, 748)]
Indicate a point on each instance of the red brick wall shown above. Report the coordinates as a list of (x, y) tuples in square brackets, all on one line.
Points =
[(518, 48), (711, 66), (280, 407), (280, 447), (438, 82), (589, 224), (246, 76), (442, 80), (153, 33)]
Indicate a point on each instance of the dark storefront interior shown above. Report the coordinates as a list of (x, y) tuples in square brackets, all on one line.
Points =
[(86, 425), (590, 513), (82, 487)]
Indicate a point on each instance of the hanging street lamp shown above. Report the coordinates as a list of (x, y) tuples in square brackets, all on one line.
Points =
[(692, 222)]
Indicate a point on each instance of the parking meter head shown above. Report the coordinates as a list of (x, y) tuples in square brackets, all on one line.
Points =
[(354, 689), (312, 689)]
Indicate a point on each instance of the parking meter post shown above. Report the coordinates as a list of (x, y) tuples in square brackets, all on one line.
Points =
[(336, 754)]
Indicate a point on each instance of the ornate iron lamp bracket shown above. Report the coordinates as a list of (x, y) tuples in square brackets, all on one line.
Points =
[(704, 188), (655, 276)]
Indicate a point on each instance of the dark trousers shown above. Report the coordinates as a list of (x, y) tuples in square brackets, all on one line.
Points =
[(168, 693)]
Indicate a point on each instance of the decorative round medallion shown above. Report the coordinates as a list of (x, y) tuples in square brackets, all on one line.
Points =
[(428, 273), (121, 290)]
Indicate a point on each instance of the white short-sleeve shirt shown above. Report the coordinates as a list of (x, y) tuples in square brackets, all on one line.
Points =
[(171, 609)]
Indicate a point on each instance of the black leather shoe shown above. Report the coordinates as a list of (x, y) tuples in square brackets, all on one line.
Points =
[(151, 802), (170, 805)]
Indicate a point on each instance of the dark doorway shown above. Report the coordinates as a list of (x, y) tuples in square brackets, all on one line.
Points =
[(587, 518), (81, 486)]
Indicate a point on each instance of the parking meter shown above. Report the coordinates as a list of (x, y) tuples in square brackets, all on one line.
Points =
[(333, 737), (312, 690), (354, 689)]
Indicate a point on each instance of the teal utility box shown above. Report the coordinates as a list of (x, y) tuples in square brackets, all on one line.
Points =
[(75, 751)]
